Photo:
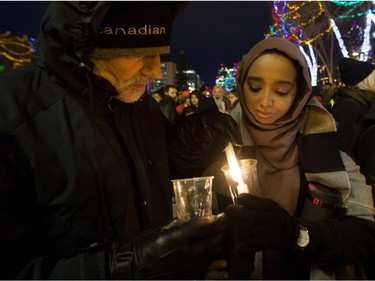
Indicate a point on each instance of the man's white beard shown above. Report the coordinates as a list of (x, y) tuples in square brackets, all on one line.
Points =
[(129, 94)]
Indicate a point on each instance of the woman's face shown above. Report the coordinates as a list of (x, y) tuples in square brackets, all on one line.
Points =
[(194, 100), (270, 87)]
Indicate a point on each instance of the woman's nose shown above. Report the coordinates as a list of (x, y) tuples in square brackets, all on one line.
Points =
[(266, 99), (151, 67)]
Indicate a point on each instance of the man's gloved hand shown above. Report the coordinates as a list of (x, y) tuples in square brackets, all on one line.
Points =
[(271, 227), (180, 250), (198, 139)]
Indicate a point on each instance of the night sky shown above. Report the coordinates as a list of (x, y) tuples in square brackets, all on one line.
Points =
[(208, 32)]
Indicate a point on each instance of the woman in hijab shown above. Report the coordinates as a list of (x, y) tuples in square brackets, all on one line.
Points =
[(314, 218)]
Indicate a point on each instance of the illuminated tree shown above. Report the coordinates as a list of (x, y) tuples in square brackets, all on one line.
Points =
[(325, 31), (226, 76), (15, 51)]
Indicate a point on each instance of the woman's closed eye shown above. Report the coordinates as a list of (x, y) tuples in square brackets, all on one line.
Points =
[(281, 93), (255, 86), (255, 89), (284, 89)]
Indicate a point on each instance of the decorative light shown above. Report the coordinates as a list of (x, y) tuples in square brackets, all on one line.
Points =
[(16, 49), (356, 15), (346, 3), (339, 39), (366, 45), (292, 18), (311, 63)]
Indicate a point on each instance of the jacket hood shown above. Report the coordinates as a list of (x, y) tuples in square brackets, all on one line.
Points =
[(67, 34), (292, 52)]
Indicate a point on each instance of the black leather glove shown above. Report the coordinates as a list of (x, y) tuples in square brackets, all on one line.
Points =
[(198, 139), (271, 227), (180, 250)]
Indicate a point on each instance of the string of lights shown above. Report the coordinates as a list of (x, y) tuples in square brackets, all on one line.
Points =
[(305, 22), (15, 51)]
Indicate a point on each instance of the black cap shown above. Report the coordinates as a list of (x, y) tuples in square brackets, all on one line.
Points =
[(353, 71), (135, 28)]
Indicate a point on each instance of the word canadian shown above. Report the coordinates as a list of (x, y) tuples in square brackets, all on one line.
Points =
[(144, 30)]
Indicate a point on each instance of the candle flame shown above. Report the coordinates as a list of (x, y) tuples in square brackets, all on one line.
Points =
[(234, 168)]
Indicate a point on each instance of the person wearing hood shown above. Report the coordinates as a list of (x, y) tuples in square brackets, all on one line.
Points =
[(353, 100), (220, 98), (353, 109), (314, 217), (85, 152)]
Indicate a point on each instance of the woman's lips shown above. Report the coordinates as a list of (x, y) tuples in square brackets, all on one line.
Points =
[(264, 115)]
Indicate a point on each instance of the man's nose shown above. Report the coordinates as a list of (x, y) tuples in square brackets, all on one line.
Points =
[(151, 67)]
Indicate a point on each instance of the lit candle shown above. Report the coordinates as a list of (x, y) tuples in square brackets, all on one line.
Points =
[(235, 170)]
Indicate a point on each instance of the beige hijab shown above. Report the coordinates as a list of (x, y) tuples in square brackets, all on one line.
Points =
[(275, 145)]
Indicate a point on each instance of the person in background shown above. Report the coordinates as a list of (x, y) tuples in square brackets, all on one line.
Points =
[(353, 109), (235, 109), (196, 99), (364, 148), (171, 90), (183, 101), (167, 103), (86, 156), (300, 160), (157, 96), (316, 92), (233, 99), (353, 101), (219, 96)]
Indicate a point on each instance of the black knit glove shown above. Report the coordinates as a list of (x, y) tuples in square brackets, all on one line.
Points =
[(198, 139), (176, 251), (271, 227)]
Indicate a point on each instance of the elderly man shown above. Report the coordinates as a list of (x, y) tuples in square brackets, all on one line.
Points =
[(84, 157)]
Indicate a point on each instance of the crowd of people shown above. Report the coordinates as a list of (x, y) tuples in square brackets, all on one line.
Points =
[(188, 102), (87, 157)]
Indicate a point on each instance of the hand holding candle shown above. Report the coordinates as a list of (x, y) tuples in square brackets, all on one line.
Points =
[(241, 175)]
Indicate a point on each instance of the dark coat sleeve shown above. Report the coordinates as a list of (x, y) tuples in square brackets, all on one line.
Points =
[(23, 247), (347, 112), (366, 156), (341, 241)]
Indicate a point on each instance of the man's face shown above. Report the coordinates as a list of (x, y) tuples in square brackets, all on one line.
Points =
[(129, 75), (172, 92)]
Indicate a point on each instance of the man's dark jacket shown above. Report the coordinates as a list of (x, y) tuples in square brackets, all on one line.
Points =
[(168, 108)]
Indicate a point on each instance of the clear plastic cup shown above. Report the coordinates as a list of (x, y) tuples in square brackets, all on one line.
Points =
[(193, 197)]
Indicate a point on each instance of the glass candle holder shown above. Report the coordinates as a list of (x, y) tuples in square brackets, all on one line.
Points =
[(249, 182)]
